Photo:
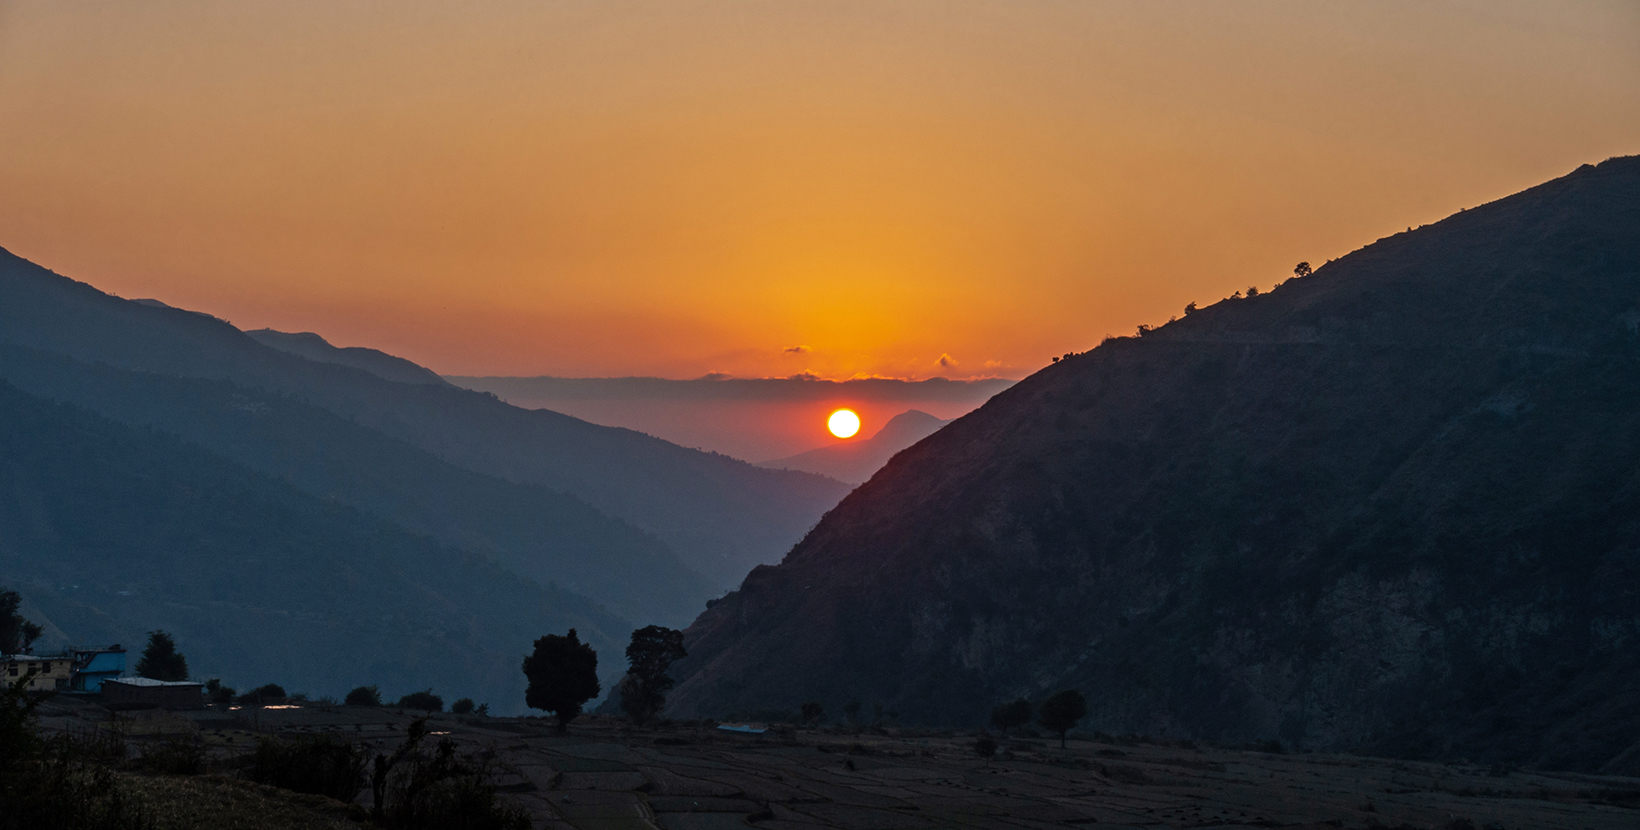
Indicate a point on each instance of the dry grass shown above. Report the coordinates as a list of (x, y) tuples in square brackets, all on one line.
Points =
[(211, 802)]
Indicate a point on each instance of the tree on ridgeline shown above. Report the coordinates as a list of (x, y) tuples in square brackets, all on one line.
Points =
[(161, 660), (653, 650), (1011, 715), (16, 633), (363, 696), (1302, 270), (1061, 712), (563, 675), (813, 713)]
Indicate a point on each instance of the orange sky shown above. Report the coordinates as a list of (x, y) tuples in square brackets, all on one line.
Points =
[(673, 188)]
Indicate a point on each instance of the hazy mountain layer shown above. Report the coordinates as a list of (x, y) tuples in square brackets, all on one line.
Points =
[(539, 533), (1392, 506), (720, 515), (378, 363), (112, 532), (855, 461)]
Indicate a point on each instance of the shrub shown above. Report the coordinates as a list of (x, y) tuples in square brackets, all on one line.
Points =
[(985, 746), (1010, 715), (364, 696), (463, 706), (215, 692), (318, 764), (46, 785), (174, 757), (426, 701), (261, 694), (414, 789)]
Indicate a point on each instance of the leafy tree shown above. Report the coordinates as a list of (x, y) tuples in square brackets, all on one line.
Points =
[(653, 650), (1252, 291), (813, 712), (1302, 270), (16, 633), (1011, 715), (463, 706), (423, 700), (161, 660), (1189, 308), (852, 710), (563, 675), (1061, 712), (363, 696)]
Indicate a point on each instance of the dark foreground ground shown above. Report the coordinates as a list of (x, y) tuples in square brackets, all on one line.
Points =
[(606, 775)]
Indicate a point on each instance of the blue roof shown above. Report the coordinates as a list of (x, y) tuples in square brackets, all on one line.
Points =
[(102, 661)]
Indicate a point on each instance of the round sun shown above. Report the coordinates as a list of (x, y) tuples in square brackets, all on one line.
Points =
[(843, 423)]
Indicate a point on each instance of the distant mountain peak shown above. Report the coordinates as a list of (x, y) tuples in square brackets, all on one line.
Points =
[(855, 461)]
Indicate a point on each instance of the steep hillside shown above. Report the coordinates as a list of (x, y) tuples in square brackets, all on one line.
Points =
[(112, 532), (720, 515), (536, 532), (1392, 506), (855, 461), (378, 363)]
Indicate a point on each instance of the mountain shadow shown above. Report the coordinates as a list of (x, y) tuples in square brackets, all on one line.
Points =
[(532, 530), (110, 532), (1393, 506), (719, 514)]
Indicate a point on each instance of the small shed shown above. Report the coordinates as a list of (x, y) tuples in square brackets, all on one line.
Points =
[(144, 693)]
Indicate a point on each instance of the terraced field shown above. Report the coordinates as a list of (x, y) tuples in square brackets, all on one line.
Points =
[(605, 775)]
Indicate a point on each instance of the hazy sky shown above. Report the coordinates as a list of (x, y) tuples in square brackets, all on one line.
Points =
[(674, 188)]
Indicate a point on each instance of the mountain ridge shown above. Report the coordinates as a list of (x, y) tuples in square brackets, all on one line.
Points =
[(1389, 507)]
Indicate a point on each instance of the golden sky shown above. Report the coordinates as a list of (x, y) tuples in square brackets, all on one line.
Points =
[(763, 188)]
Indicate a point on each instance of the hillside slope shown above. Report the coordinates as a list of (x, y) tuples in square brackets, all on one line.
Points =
[(112, 532), (536, 532), (1392, 506), (722, 516)]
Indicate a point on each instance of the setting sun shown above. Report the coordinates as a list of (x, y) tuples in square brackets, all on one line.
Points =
[(843, 423)]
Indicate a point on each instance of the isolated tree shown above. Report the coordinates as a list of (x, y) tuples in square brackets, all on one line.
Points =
[(1302, 270), (1252, 291), (813, 712), (424, 700), (16, 633), (463, 706), (563, 675), (653, 650), (1061, 712), (1189, 308), (161, 660), (1011, 715), (363, 696)]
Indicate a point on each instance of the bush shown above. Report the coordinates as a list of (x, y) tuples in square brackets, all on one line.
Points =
[(261, 694), (318, 764), (463, 706), (364, 696), (414, 789), (218, 693), (426, 701), (46, 785), (174, 757), (985, 746)]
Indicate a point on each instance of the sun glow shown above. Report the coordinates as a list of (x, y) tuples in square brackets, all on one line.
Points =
[(843, 423)]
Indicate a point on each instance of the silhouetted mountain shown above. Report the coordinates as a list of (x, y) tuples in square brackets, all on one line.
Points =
[(1393, 506), (720, 515), (542, 534), (111, 532), (855, 461), (378, 363)]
